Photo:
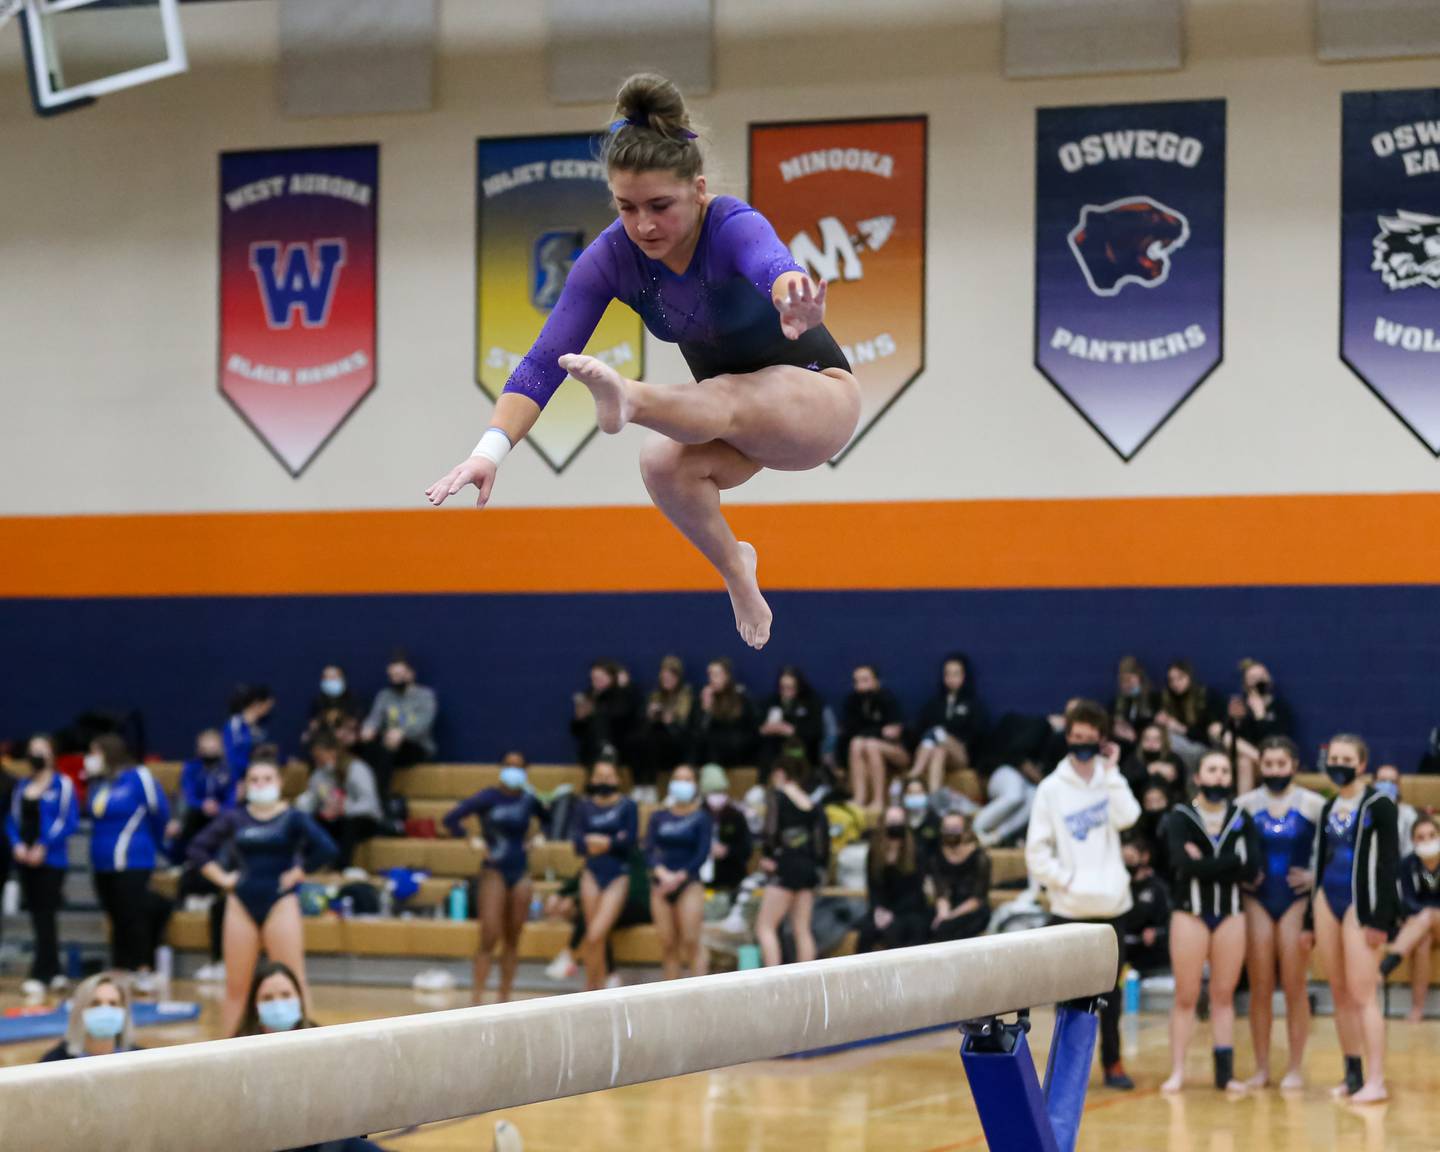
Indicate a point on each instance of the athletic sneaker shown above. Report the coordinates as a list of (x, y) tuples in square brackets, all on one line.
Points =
[(1115, 1078), (33, 991), (614, 981), (212, 973), (563, 967), (60, 984), (507, 1137)]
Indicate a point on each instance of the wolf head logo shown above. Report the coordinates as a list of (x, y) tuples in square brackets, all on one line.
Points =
[(1127, 241), (1407, 250)]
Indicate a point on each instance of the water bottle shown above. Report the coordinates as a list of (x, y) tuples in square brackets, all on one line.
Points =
[(1132, 990), (456, 902), (164, 972), (537, 908), (387, 899)]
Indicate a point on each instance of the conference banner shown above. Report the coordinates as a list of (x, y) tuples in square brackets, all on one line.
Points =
[(540, 201), (1129, 259), (848, 197), (297, 292), (1390, 251)]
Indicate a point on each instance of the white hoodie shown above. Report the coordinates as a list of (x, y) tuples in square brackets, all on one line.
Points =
[(1073, 845)]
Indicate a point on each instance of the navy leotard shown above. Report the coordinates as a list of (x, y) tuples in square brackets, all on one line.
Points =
[(505, 823), (679, 843), (263, 851), (621, 822), (1338, 867), (1286, 841)]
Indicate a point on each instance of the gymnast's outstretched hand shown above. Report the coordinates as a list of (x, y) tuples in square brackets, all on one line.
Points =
[(477, 470), (801, 307)]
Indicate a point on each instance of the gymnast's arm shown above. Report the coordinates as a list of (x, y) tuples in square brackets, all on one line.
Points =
[(762, 258)]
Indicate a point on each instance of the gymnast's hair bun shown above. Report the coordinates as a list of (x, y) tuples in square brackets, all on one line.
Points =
[(651, 130), (653, 100)]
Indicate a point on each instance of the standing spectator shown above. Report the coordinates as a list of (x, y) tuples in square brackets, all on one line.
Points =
[(43, 815), (960, 874), (398, 732), (1420, 901), (1156, 800), (725, 727), (333, 706), (276, 1002), (607, 825), (605, 716), (730, 855), (662, 737), (678, 842), (1073, 849), (130, 816), (872, 732), (950, 725), (898, 915), (1147, 925), (249, 708), (1187, 709), (794, 712), (796, 844), (1134, 706), (1387, 783), (342, 796), (100, 1023), (207, 788)]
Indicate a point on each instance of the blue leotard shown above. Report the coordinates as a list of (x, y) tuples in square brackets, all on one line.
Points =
[(505, 823), (1287, 842), (679, 843), (1336, 870), (621, 822), (263, 851)]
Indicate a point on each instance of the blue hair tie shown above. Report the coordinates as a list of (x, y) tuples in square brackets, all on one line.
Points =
[(642, 122)]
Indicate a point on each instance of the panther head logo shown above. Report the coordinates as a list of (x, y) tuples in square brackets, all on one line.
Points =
[(1407, 250), (1127, 241)]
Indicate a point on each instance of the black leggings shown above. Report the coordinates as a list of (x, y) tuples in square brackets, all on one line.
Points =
[(349, 832), (43, 889), (194, 883), (1110, 1014), (965, 927), (135, 915)]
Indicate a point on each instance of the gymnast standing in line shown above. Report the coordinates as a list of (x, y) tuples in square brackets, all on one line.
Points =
[(771, 388)]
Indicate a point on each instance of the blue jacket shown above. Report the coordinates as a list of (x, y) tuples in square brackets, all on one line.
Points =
[(198, 784), (130, 814), (239, 737), (59, 817)]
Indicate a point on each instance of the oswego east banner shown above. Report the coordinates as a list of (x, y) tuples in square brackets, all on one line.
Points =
[(1129, 259), (297, 292), (1390, 251), (848, 197), (539, 201)]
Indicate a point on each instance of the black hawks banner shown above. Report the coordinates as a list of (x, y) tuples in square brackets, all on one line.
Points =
[(848, 197)]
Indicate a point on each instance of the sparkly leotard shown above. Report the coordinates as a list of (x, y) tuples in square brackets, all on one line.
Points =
[(1336, 870)]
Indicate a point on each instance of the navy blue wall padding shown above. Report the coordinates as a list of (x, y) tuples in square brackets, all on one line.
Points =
[(1361, 659), (17, 1029)]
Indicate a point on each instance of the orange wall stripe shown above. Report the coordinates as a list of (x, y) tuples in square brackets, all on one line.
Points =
[(1149, 542)]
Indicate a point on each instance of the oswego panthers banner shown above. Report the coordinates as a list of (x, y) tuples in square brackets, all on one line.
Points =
[(540, 201), (1390, 251), (1129, 259), (848, 196), (297, 292)]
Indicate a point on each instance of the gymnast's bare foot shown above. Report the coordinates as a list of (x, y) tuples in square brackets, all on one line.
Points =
[(1261, 1079), (613, 406), (1173, 1085), (1294, 1081), (1372, 1093), (752, 614)]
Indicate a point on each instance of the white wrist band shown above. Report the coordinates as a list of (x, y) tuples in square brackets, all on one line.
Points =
[(493, 445)]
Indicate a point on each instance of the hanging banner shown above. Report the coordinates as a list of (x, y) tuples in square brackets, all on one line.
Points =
[(1390, 251), (1129, 259), (539, 201), (848, 196), (297, 292)]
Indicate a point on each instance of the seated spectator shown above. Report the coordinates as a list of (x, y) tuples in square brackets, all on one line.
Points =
[(1152, 746), (1387, 783), (207, 788), (794, 712), (1156, 800), (678, 843), (922, 820), (960, 881), (950, 725), (1134, 706), (605, 716), (1420, 905), (661, 738), (1146, 927), (333, 706), (249, 707), (99, 1022), (565, 904), (276, 1002), (898, 915), (342, 796), (1251, 719), (730, 855), (872, 734), (724, 725), (399, 731), (1187, 710)]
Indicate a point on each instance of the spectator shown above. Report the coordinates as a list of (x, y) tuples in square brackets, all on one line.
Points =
[(99, 1023), (923, 822), (333, 706), (605, 716), (130, 815), (662, 737), (796, 845), (950, 725), (7, 848), (960, 876), (1187, 710), (1134, 706), (249, 708), (42, 817), (725, 724), (1152, 747), (898, 915), (1156, 800), (1430, 761), (1073, 849), (1006, 815), (398, 732), (678, 842), (730, 856), (258, 854), (276, 1002), (1147, 925), (872, 733), (606, 830), (1420, 900), (794, 712), (1251, 719), (342, 796), (564, 904), (1387, 783)]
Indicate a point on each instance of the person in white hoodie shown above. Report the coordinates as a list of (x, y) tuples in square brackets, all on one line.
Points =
[(1073, 849)]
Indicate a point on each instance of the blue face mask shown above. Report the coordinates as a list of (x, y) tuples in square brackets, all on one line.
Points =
[(915, 803), (682, 791), (279, 1015), (1388, 788), (513, 778), (1084, 753), (104, 1021), (332, 686)]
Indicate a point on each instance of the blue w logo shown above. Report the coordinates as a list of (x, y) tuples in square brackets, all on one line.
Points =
[(1085, 821), (303, 277)]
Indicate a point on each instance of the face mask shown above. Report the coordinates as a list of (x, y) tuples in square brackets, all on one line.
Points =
[(682, 791), (1276, 784), (332, 686), (513, 777), (602, 789), (1084, 752), (399, 685), (1147, 756), (279, 1015), (1388, 788), (716, 801), (914, 803), (1262, 688), (38, 763), (270, 794), (210, 761), (895, 831), (1132, 690), (952, 839), (1428, 850), (94, 764), (1214, 792), (1341, 775), (104, 1021)]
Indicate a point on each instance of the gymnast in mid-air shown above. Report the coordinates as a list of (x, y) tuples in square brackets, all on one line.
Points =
[(772, 388)]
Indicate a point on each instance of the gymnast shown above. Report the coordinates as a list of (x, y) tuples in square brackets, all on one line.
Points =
[(771, 388)]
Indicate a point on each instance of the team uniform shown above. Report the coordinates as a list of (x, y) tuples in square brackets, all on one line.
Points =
[(621, 822), (505, 824), (130, 813), (1357, 859), (263, 851), (1210, 887), (679, 843), (1286, 842)]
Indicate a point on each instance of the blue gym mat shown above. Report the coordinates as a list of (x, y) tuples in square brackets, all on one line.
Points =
[(14, 1029)]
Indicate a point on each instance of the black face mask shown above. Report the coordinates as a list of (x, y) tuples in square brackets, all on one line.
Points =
[(895, 831), (399, 685), (1084, 753), (37, 763), (1262, 688), (1215, 793), (603, 789), (209, 761), (1149, 757), (1341, 775), (952, 840), (1276, 784)]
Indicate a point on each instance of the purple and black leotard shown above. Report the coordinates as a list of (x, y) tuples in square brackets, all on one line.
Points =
[(719, 310)]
